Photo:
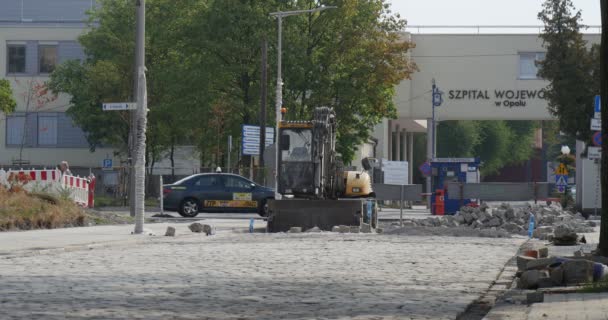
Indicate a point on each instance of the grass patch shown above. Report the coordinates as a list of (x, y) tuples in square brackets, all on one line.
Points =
[(22, 211), (595, 287)]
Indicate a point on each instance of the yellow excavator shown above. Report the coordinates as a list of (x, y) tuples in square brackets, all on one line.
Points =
[(313, 187)]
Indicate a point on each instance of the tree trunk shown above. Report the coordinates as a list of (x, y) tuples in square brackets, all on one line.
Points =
[(603, 245), (172, 158)]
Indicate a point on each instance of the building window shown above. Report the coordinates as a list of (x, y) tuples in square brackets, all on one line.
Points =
[(47, 58), (527, 64), (47, 130), (15, 130), (16, 58)]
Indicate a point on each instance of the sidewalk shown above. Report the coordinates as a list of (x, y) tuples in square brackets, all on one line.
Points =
[(559, 306), (21, 243)]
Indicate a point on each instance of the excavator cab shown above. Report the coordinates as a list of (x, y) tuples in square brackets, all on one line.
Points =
[(295, 160)]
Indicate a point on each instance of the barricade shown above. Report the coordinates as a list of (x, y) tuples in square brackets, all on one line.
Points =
[(52, 181)]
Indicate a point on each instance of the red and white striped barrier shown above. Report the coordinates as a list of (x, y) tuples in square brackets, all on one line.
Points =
[(80, 189)]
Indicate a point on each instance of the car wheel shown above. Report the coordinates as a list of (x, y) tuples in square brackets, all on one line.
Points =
[(263, 209), (189, 208)]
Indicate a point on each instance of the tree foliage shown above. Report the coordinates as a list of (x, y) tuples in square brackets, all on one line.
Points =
[(203, 61), (570, 66), (496, 143), (7, 102)]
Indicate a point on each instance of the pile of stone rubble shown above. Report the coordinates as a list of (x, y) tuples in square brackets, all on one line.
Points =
[(537, 270), (551, 222)]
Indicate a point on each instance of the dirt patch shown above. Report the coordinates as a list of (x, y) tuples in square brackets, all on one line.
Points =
[(95, 217), (23, 211)]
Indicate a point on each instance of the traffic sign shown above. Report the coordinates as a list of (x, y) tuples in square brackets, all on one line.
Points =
[(596, 124), (597, 139), (437, 98), (395, 172), (107, 164), (598, 107), (425, 169), (561, 170), (561, 180), (594, 153), (113, 106), (250, 144), (561, 189)]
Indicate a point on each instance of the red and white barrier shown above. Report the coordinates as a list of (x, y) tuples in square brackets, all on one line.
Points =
[(79, 189)]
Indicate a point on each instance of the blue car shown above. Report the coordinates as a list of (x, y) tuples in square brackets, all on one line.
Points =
[(215, 192)]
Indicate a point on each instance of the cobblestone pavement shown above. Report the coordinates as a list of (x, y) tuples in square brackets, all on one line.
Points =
[(257, 276)]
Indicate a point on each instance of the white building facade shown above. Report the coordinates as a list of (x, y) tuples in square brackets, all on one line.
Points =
[(36, 36)]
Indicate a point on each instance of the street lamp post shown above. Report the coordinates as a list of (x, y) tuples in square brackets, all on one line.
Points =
[(279, 99)]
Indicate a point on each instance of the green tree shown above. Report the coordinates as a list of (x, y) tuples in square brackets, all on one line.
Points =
[(350, 58), (7, 102), (570, 67), (496, 143)]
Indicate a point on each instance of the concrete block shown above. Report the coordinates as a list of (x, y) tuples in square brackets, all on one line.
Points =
[(335, 229), (522, 262), (344, 229), (354, 229), (295, 230), (535, 297), (170, 232), (540, 264), (578, 271), (529, 279), (365, 228), (557, 276), (314, 230)]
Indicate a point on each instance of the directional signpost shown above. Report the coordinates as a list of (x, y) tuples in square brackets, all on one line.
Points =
[(251, 139), (116, 106)]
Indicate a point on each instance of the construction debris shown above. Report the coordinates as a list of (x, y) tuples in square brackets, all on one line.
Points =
[(551, 222), (202, 228)]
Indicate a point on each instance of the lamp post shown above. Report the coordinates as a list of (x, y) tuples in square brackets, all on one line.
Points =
[(279, 99)]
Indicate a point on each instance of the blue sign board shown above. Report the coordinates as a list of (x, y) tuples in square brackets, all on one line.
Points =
[(561, 180), (597, 106), (425, 169), (107, 163), (250, 144), (597, 139)]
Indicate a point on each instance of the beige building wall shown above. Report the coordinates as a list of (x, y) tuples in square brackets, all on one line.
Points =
[(77, 157)]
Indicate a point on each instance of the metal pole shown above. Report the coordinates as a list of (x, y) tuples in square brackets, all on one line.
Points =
[(279, 104), (264, 96), (160, 178), (429, 156), (228, 163), (433, 104), (401, 208), (138, 204)]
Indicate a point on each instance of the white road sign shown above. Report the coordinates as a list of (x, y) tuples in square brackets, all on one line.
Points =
[(251, 139), (594, 153), (596, 124), (395, 172), (113, 106)]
